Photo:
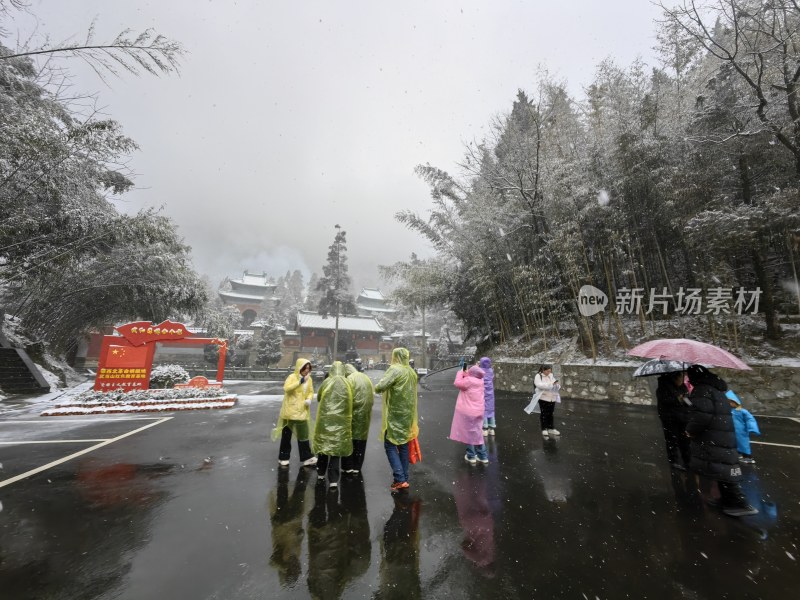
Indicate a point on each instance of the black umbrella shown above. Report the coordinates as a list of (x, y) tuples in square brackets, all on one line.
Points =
[(660, 366)]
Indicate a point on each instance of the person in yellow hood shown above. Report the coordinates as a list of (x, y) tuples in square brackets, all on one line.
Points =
[(333, 434), (295, 416), (363, 399), (399, 420)]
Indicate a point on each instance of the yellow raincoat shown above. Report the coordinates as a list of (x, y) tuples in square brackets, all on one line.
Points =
[(295, 413), (333, 433), (399, 389), (363, 399)]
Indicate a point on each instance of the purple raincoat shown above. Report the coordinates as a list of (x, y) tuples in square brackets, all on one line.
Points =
[(488, 386), (467, 424)]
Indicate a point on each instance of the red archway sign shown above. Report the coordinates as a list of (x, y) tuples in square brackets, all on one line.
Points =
[(126, 359)]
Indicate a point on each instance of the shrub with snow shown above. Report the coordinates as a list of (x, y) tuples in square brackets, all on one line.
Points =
[(91, 396), (166, 376)]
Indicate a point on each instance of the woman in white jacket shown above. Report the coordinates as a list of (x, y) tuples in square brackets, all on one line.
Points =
[(547, 387)]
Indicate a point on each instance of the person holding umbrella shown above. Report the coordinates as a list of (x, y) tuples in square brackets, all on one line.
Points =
[(713, 440), (468, 414), (674, 414)]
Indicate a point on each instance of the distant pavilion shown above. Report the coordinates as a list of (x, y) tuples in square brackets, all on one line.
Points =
[(253, 294)]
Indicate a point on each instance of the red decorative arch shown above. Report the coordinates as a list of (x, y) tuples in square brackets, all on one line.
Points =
[(126, 360)]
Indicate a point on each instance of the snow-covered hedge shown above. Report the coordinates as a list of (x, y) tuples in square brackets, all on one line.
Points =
[(144, 395), (166, 376)]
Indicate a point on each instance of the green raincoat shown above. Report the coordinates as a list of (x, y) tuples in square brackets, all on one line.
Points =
[(333, 433), (399, 389), (363, 399), (295, 413)]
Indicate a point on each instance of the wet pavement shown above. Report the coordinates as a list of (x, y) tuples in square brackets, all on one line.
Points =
[(195, 506)]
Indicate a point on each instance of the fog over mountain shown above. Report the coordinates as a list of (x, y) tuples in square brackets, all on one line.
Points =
[(288, 118)]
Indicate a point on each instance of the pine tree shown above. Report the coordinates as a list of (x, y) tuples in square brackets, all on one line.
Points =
[(269, 344), (443, 347), (313, 296), (335, 282)]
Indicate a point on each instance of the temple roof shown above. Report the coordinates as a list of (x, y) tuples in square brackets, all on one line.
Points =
[(312, 320)]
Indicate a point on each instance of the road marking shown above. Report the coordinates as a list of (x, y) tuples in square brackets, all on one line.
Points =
[(88, 420), (56, 442), (80, 453), (774, 444)]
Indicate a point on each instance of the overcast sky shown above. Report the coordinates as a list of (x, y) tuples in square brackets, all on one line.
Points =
[(290, 117)]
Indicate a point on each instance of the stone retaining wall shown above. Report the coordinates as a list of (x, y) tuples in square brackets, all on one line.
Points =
[(764, 390)]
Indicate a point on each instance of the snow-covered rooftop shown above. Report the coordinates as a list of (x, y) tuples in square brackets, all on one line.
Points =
[(371, 294), (377, 309), (411, 334), (312, 320), (239, 297), (253, 279)]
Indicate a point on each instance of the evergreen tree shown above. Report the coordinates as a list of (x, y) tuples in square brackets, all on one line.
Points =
[(335, 282), (269, 344), (313, 295), (443, 347), (220, 322)]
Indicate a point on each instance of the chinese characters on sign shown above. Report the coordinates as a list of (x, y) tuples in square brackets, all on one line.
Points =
[(109, 378), (689, 301)]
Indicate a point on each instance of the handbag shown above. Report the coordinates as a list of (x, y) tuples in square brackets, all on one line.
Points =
[(414, 452)]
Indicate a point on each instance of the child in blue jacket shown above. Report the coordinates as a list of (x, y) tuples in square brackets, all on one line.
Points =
[(745, 424)]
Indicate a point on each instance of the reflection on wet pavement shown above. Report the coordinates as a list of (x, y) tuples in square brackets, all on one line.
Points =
[(286, 518), (475, 518), (198, 508), (399, 568)]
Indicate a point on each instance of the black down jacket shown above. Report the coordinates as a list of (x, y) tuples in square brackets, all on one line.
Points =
[(671, 407), (711, 429)]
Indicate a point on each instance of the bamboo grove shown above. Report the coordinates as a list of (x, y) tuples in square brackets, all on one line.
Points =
[(683, 175)]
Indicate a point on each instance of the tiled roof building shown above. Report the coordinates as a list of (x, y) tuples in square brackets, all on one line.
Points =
[(252, 294), (372, 302)]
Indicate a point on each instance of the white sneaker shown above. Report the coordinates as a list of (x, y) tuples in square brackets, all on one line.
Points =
[(333, 485), (471, 461), (308, 463), (544, 433), (485, 432), (283, 463), (553, 432), (483, 461), (491, 431)]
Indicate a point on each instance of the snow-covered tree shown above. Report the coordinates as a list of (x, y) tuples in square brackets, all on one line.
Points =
[(443, 346), (313, 294), (220, 322), (241, 349), (335, 282), (269, 344), (68, 259)]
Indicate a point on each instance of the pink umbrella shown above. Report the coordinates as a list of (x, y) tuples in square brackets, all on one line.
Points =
[(689, 351)]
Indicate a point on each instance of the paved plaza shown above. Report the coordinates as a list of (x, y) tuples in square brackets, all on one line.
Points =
[(193, 505)]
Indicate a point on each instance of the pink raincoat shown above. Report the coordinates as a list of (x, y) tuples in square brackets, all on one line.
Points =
[(467, 424)]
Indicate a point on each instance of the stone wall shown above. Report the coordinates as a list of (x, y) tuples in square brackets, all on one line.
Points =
[(764, 390)]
